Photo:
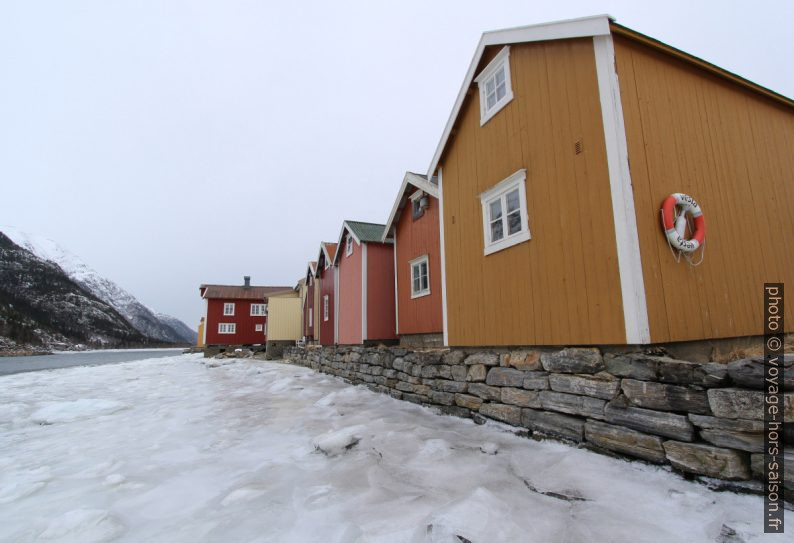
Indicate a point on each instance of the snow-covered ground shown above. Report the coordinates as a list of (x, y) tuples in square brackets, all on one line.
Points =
[(174, 449)]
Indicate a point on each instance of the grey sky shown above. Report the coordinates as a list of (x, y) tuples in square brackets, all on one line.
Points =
[(170, 143)]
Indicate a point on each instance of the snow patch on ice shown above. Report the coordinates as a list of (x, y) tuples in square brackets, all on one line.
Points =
[(489, 448), (243, 494), (20, 484), (337, 442), (114, 479), (83, 526), (70, 411)]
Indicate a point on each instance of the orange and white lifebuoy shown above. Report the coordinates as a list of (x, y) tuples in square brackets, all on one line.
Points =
[(675, 225)]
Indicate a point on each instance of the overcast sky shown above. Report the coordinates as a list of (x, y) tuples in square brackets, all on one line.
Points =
[(170, 143)]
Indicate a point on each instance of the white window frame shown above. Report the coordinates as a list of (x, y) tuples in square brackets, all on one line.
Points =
[(311, 316), (227, 328), (228, 309), (415, 262), (325, 308), (258, 328), (349, 245), (501, 60), (258, 310), (500, 191)]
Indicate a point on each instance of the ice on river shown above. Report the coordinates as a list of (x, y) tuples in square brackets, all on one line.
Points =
[(173, 450)]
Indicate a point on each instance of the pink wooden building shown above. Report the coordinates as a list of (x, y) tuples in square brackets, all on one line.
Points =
[(365, 311)]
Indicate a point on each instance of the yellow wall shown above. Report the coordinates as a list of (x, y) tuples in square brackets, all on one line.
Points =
[(284, 317), (733, 151), (200, 338), (563, 285)]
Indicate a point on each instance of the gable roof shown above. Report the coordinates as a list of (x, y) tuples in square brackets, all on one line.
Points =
[(362, 232), (311, 269), (572, 28), (598, 25), (326, 254), (410, 181), (240, 292)]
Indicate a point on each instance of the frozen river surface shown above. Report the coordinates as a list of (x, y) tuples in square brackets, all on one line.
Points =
[(173, 450)]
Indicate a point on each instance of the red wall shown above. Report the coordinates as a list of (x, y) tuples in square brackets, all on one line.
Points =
[(246, 324), (380, 291), (326, 284), (349, 270), (416, 238), (308, 330)]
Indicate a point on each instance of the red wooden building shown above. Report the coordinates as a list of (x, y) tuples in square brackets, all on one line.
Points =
[(309, 304), (236, 315), (325, 283), (414, 226), (365, 285)]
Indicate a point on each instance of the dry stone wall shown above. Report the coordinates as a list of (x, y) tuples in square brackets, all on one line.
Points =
[(702, 419)]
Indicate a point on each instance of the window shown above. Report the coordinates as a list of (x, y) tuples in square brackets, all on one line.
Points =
[(258, 310), (325, 307), (311, 316), (504, 213), (496, 89), (258, 328), (420, 277), (349, 245), (227, 328), (228, 309), (418, 204)]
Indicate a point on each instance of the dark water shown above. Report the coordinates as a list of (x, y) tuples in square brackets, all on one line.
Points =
[(18, 364)]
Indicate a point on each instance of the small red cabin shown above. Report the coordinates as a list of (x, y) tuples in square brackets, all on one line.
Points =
[(236, 315), (325, 278), (414, 227), (309, 309), (365, 285)]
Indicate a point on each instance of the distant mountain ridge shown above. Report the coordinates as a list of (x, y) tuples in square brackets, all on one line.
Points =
[(43, 308), (146, 321)]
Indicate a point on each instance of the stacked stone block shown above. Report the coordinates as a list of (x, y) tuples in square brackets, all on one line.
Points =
[(703, 419)]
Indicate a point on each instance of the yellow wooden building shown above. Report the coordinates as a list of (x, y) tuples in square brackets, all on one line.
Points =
[(563, 142)]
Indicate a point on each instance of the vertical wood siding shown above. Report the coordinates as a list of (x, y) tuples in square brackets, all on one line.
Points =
[(317, 315), (349, 271), (327, 289), (733, 151), (308, 303), (246, 324), (562, 287), (414, 239), (284, 318), (380, 291)]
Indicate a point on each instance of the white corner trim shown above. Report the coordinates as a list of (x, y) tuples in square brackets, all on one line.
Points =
[(363, 292), (396, 290), (557, 30), (502, 58), (632, 285), (443, 255)]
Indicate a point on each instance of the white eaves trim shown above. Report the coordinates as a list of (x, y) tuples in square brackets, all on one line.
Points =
[(572, 28), (410, 180)]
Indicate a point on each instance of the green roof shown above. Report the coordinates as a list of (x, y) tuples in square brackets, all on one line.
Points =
[(367, 231)]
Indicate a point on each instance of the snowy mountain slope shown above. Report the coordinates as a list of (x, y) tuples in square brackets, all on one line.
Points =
[(161, 327), (41, 306)]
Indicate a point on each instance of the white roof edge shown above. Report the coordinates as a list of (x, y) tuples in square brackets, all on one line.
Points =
[(597, 25), (341, 236), (415, 180)]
